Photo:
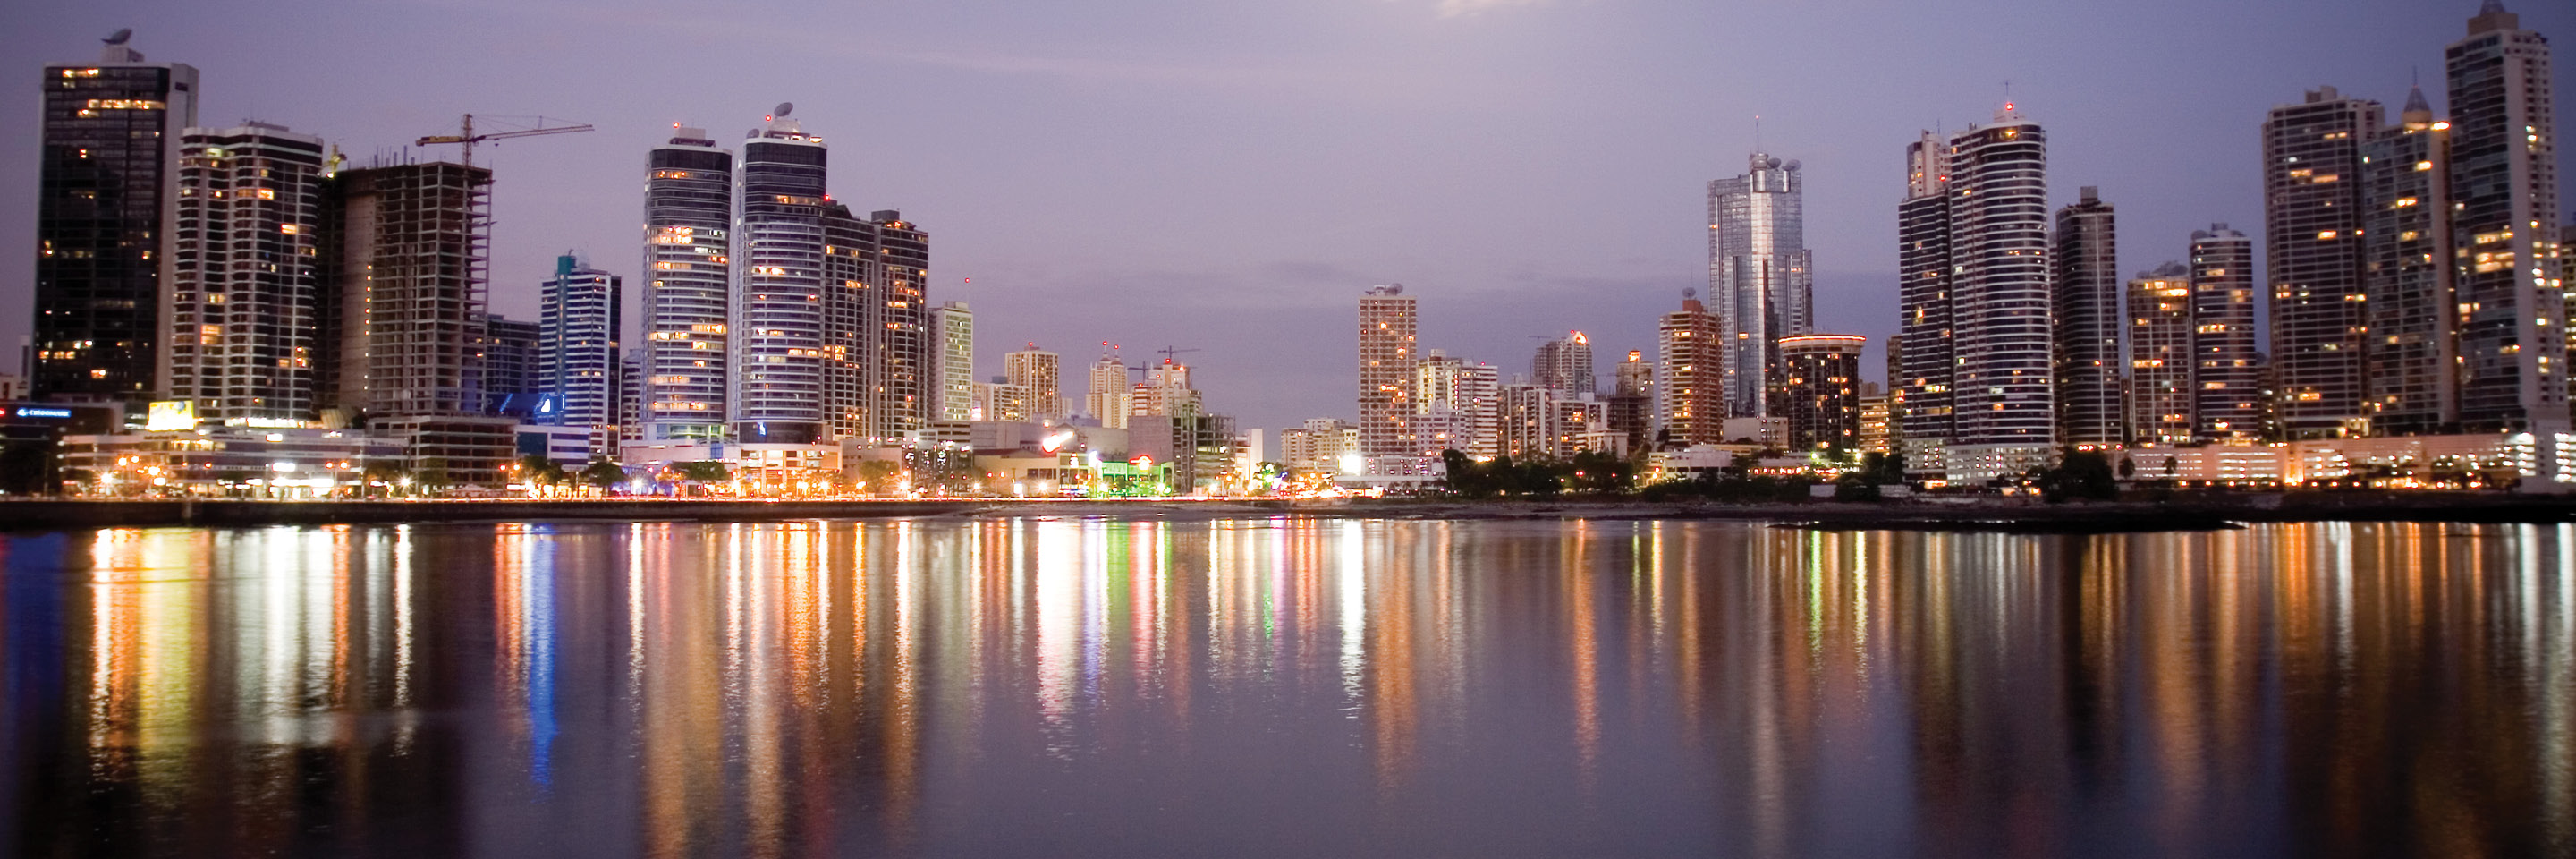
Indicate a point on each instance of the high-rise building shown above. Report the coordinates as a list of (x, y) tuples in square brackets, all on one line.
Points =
[(1386, 356), (1921, 358), (512, 366), (1564, 366), (1760, 275), (1480, 388), (876, 345), (1108, 392), (952, 374), (404, 259), (1820, 391), (777, 327), (1039, 371), (1691, 348), (1980, 341), (2088, 319), (579, 317), (2226, 368), (998, 400), (2504, 200), (2313, 239), (105, 204), (1445, 414), (2411, 363), (688, 266), (1632, 401), (1873, 421), (2163, 401), (243, 303)]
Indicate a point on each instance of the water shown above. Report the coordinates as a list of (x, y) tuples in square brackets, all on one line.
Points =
[(1287, 688)]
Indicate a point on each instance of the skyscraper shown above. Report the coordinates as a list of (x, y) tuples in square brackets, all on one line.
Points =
[(777, 327), (2089, 317), (104, 205), (688, 266), (2504, 198), (1990, 242), (405, 252), (1691, 347), (1386, 325), (2412, 361), (512, 366), (2226, 370), (2163, 401), (2313, 238), (952, 330), (242, 302), (1107, 394), (1922, 363), (1760, 274), (1040, 371), (1564, 366), (875, 341), (1820, 391), (579, 317)]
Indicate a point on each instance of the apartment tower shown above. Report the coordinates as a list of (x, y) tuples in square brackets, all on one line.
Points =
[(2313, 242), (688, 266), (1386, 330), (243, 301), (1691, 347), (2227, 372)]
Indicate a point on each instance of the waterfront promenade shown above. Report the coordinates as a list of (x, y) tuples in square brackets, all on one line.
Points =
[(2180, 513)]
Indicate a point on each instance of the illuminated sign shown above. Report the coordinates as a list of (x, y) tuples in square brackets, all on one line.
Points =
[(33, 412), (167, 415)]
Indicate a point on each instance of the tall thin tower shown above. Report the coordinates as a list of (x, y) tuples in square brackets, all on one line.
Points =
[(2089, 317), (2226, 370), (2003, 400), (2504, 200), (777, 328), (1760, 274), (1923, 349), (2412, 363), (1386, 372), (688, 266), (2313, 241)]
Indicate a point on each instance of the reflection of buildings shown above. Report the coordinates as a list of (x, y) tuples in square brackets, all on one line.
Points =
[(827, 688)]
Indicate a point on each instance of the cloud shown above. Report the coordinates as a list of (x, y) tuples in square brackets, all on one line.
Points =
[(1463, 8)]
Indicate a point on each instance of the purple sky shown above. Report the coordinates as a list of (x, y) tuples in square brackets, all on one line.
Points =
[(1230, 176)]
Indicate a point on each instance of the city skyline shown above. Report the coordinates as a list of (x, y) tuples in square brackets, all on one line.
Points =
[(1271, 313)]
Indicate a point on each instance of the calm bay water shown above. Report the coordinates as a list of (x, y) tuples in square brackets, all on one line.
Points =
[(1287, 688)]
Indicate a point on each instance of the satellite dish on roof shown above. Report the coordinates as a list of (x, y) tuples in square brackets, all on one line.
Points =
[(119, 37), (1690, 292), (783, 108), (1793, 165), (1395, 289)]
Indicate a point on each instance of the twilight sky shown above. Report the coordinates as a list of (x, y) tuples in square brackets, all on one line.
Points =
[(1230, 176)]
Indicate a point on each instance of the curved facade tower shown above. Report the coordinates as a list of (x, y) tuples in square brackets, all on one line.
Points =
[(2089, 319), (688, 229), (1994, 245), (777, 327), (1760, 275)]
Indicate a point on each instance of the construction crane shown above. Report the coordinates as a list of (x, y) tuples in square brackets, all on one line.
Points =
[(1170, 353), (465, 135)]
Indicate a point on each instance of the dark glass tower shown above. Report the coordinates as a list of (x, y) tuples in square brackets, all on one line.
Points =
[(2314, 241), (105, 203), (2088, 319), (2411, 363)]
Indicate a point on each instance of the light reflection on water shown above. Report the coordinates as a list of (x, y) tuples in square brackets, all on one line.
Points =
[(1288, 687)]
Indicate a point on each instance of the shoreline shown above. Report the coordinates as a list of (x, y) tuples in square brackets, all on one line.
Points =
[(2201, 513)]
